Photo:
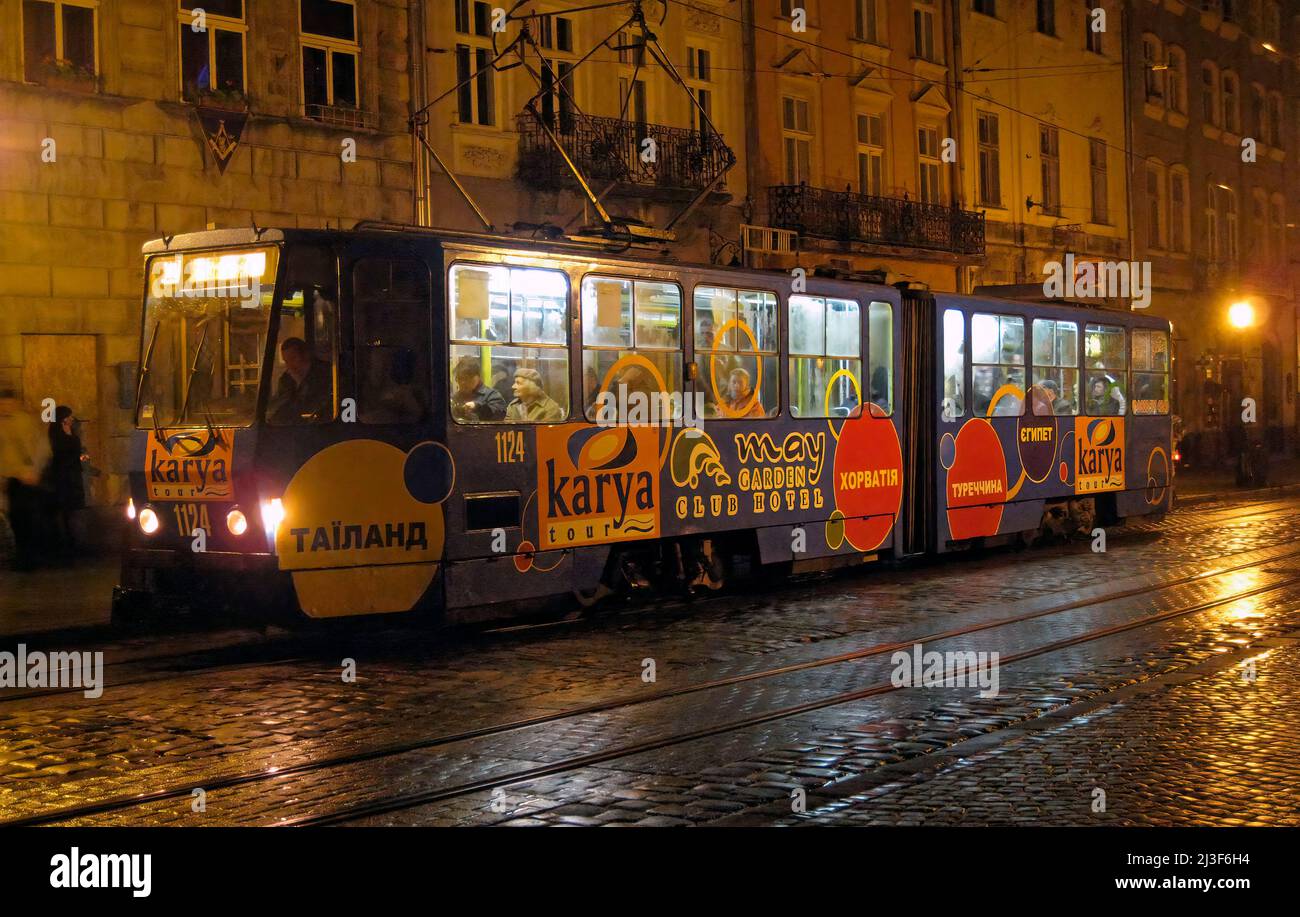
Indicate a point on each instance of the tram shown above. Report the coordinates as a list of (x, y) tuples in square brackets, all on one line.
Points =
[(393, 419)]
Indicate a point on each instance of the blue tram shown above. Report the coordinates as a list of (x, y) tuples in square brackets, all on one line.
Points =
[(389, 419)]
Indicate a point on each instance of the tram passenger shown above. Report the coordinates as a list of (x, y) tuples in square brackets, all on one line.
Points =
[(880, 387), (739, 392), (1048, 399), (472, 400), (532, 404), (1105, 397), (305, 391)]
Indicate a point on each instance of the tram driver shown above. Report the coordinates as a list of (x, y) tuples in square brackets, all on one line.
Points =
[(472, 400), (305, 391)]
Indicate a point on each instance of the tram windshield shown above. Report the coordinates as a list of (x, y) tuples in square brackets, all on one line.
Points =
[(205, 326)]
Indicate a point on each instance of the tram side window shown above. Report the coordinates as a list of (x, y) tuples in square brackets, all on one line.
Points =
[(1150, 372), (737, 350), (1056, 368), (305, 380), (997, 364), (825, 356), (631, 343), (880, 355), (1105, 363), (953, 403), (391, 327), (509, 350)]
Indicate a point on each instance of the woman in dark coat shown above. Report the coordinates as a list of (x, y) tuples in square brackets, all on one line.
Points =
[(64, 478)]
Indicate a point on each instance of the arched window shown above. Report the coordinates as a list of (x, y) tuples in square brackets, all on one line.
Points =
[(1176, 79), (1180, 212), (1153, 57), (1231, 103), (1210, 110), (1258, 123), (1259, 232), (1156, 211), (1278, 216), (1276, 135)]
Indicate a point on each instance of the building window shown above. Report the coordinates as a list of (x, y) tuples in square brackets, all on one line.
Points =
[(60, 36), (1155, 205), (871, 154), (1213, 245), (1231, 110), (1230, 249), (1154, 79), (1045, 19), (1049, 150), (997, 361), (1210, 95), (1278, 212), (699, 80), (509, 324), (825, 356), (931, 168), (555, 33), (1091, 37), (796, 136), (1179, 212), (923, 31), (987, 7), (1258, 113), (476, 97), (1176, 79), (1227, 7), (990, 175), (1275, 116), (557, 88), (866, 20), (1259, 234), (1100, 191), (329, 55), (213, 60)]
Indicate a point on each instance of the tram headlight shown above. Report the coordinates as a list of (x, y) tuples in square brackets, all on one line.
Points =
[(272, 516), (236, 522), (148, 520), (130, 507)]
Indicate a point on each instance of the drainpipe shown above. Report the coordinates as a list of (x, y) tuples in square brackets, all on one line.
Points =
[(749, 52), (955, 90), (1130, 156), (416, 74)]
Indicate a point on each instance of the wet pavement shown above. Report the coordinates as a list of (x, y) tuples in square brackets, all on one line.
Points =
[(1119, 672)]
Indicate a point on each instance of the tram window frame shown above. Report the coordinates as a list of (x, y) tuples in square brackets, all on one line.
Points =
[(821, 352), (1161, 406), (888, 364), (310, 333), (1119, 381), (1056, 366), (954, 358), (1004, 367), (766, 354), (633, 347), (419, 388), (526, 350)]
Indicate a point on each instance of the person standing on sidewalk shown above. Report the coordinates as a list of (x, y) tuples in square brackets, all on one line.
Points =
[(24, 453), (64, 480)]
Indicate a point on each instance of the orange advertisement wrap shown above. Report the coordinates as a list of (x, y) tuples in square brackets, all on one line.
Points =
[(1099, 460), (193, 465), (977, 480), (596, 484)]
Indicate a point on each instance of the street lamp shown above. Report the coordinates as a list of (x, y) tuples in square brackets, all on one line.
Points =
[(1241, 314)]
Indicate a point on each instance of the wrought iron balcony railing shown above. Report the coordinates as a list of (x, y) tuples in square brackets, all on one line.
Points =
[(613, 150), (850, 217)]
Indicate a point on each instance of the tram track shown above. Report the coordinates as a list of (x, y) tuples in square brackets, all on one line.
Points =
[(13, 696), (127, 802)]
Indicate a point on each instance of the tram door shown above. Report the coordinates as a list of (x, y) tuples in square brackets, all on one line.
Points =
[(919, 399)]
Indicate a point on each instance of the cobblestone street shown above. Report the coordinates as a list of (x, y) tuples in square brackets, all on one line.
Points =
[(1153, 684)]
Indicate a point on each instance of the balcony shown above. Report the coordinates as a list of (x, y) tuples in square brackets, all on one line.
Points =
[(849, 217), (609, 150)]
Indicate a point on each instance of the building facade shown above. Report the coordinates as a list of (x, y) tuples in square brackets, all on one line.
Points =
[(1211, 91), (1043, 158), (111, 117)]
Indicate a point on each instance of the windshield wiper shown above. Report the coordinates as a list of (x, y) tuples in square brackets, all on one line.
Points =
[(189, 383), (146, 365)]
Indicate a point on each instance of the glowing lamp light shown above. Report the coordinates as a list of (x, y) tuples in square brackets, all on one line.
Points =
[(130, 507), (236, 522), (272, 516), (1241, 314), (148, 521)]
